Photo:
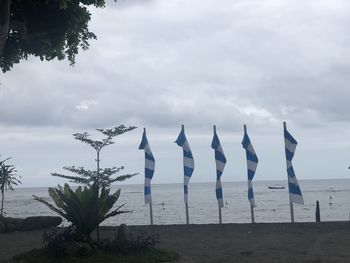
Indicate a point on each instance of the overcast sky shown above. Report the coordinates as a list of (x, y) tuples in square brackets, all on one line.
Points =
[(159, 64)]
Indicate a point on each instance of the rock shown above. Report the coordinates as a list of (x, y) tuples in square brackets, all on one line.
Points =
[(123, 235), (40, 222), (2, 227), (10, 224), (10, 227)]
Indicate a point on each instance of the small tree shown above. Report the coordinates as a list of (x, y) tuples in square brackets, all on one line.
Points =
[(8, 178), (102, 177), (87, 208)]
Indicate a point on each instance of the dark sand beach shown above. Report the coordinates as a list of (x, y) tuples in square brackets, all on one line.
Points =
[(272, 242)]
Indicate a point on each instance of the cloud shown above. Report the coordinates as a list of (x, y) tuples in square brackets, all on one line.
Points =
[(159, 64), (164, 62)]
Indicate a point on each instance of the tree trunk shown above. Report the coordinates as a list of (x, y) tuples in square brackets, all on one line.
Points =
[(97, 174), (4, 22), (2, 201)]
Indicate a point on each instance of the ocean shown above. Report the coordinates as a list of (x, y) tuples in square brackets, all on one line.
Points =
[(168, 205)]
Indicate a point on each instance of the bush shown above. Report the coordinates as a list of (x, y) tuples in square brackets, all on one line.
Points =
[(143, 242), (84, 207), (56, 241)]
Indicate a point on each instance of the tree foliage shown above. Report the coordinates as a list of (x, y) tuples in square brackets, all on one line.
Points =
[(85, 207), (87, 177), (8, 178), (54, 29), (102, 177)]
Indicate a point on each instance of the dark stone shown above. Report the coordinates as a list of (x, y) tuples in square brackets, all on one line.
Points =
[(2, 227), (40, 222), (10, 227), (317, 213), (123, 235)]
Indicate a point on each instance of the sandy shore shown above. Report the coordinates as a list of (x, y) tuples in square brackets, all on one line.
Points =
[(300, 242)]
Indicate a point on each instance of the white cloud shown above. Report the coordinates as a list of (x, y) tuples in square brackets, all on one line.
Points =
[(163, 63)]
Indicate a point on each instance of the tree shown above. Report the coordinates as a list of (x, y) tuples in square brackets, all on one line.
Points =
[(8, 178), (102, 177), (87, 208), (53, 29)]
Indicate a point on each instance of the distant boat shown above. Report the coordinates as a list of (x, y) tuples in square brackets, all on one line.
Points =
[(276, 186)]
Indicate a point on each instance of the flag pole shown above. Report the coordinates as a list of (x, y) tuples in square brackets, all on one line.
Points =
[(290, 200), (251, 206), (186, 201), (151, 213), (187, 216), (220, 215)]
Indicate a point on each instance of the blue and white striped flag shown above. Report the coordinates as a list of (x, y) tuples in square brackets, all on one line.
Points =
[(294, 189), (220, 161), (149, 166), (252, 163), (187, 161)]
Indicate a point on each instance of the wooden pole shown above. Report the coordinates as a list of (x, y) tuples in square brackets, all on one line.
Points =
[(252, 213), (318, 215), (186, 204), (187, 216), (290, 200), (151, 213), (220, 215), (251, 207), (291, 211)]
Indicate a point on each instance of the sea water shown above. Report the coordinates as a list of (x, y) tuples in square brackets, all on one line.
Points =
[(168, 204)]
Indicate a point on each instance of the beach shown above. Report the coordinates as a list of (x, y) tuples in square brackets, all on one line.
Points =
[(270, 242)]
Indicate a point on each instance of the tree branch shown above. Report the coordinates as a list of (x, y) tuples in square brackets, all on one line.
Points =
[(4, 22)]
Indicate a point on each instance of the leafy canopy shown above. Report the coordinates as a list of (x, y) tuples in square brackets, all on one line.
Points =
[(85, 207), (8, 178), (53, 29), (103, 177), (87, 177)]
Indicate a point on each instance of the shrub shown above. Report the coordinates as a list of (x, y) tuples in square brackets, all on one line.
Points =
[(56, 240), (143, 242), (85, 207)]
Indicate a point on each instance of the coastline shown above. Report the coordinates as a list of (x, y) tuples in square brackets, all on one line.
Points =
[(260, 242)]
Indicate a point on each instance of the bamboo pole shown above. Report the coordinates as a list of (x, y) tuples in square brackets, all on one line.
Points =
[(290, 200), (220, 214), (151, 213), (186, 201), (187, 215), (251, 207)]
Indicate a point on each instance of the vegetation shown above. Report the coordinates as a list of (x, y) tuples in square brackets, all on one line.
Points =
[(53, 29), (97, 256), (9, 224), (60, 246), (85, 207), (101, 177), (8, 178)]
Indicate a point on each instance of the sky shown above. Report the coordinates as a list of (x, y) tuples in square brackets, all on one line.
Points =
[(159, 64)]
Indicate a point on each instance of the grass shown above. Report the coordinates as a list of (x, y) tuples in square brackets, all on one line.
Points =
[(97, 256)]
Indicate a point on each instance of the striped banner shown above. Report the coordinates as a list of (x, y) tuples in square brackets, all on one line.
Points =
[(149, 166), (188, 161), (294, 189), (220, 161), (252, 163)]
